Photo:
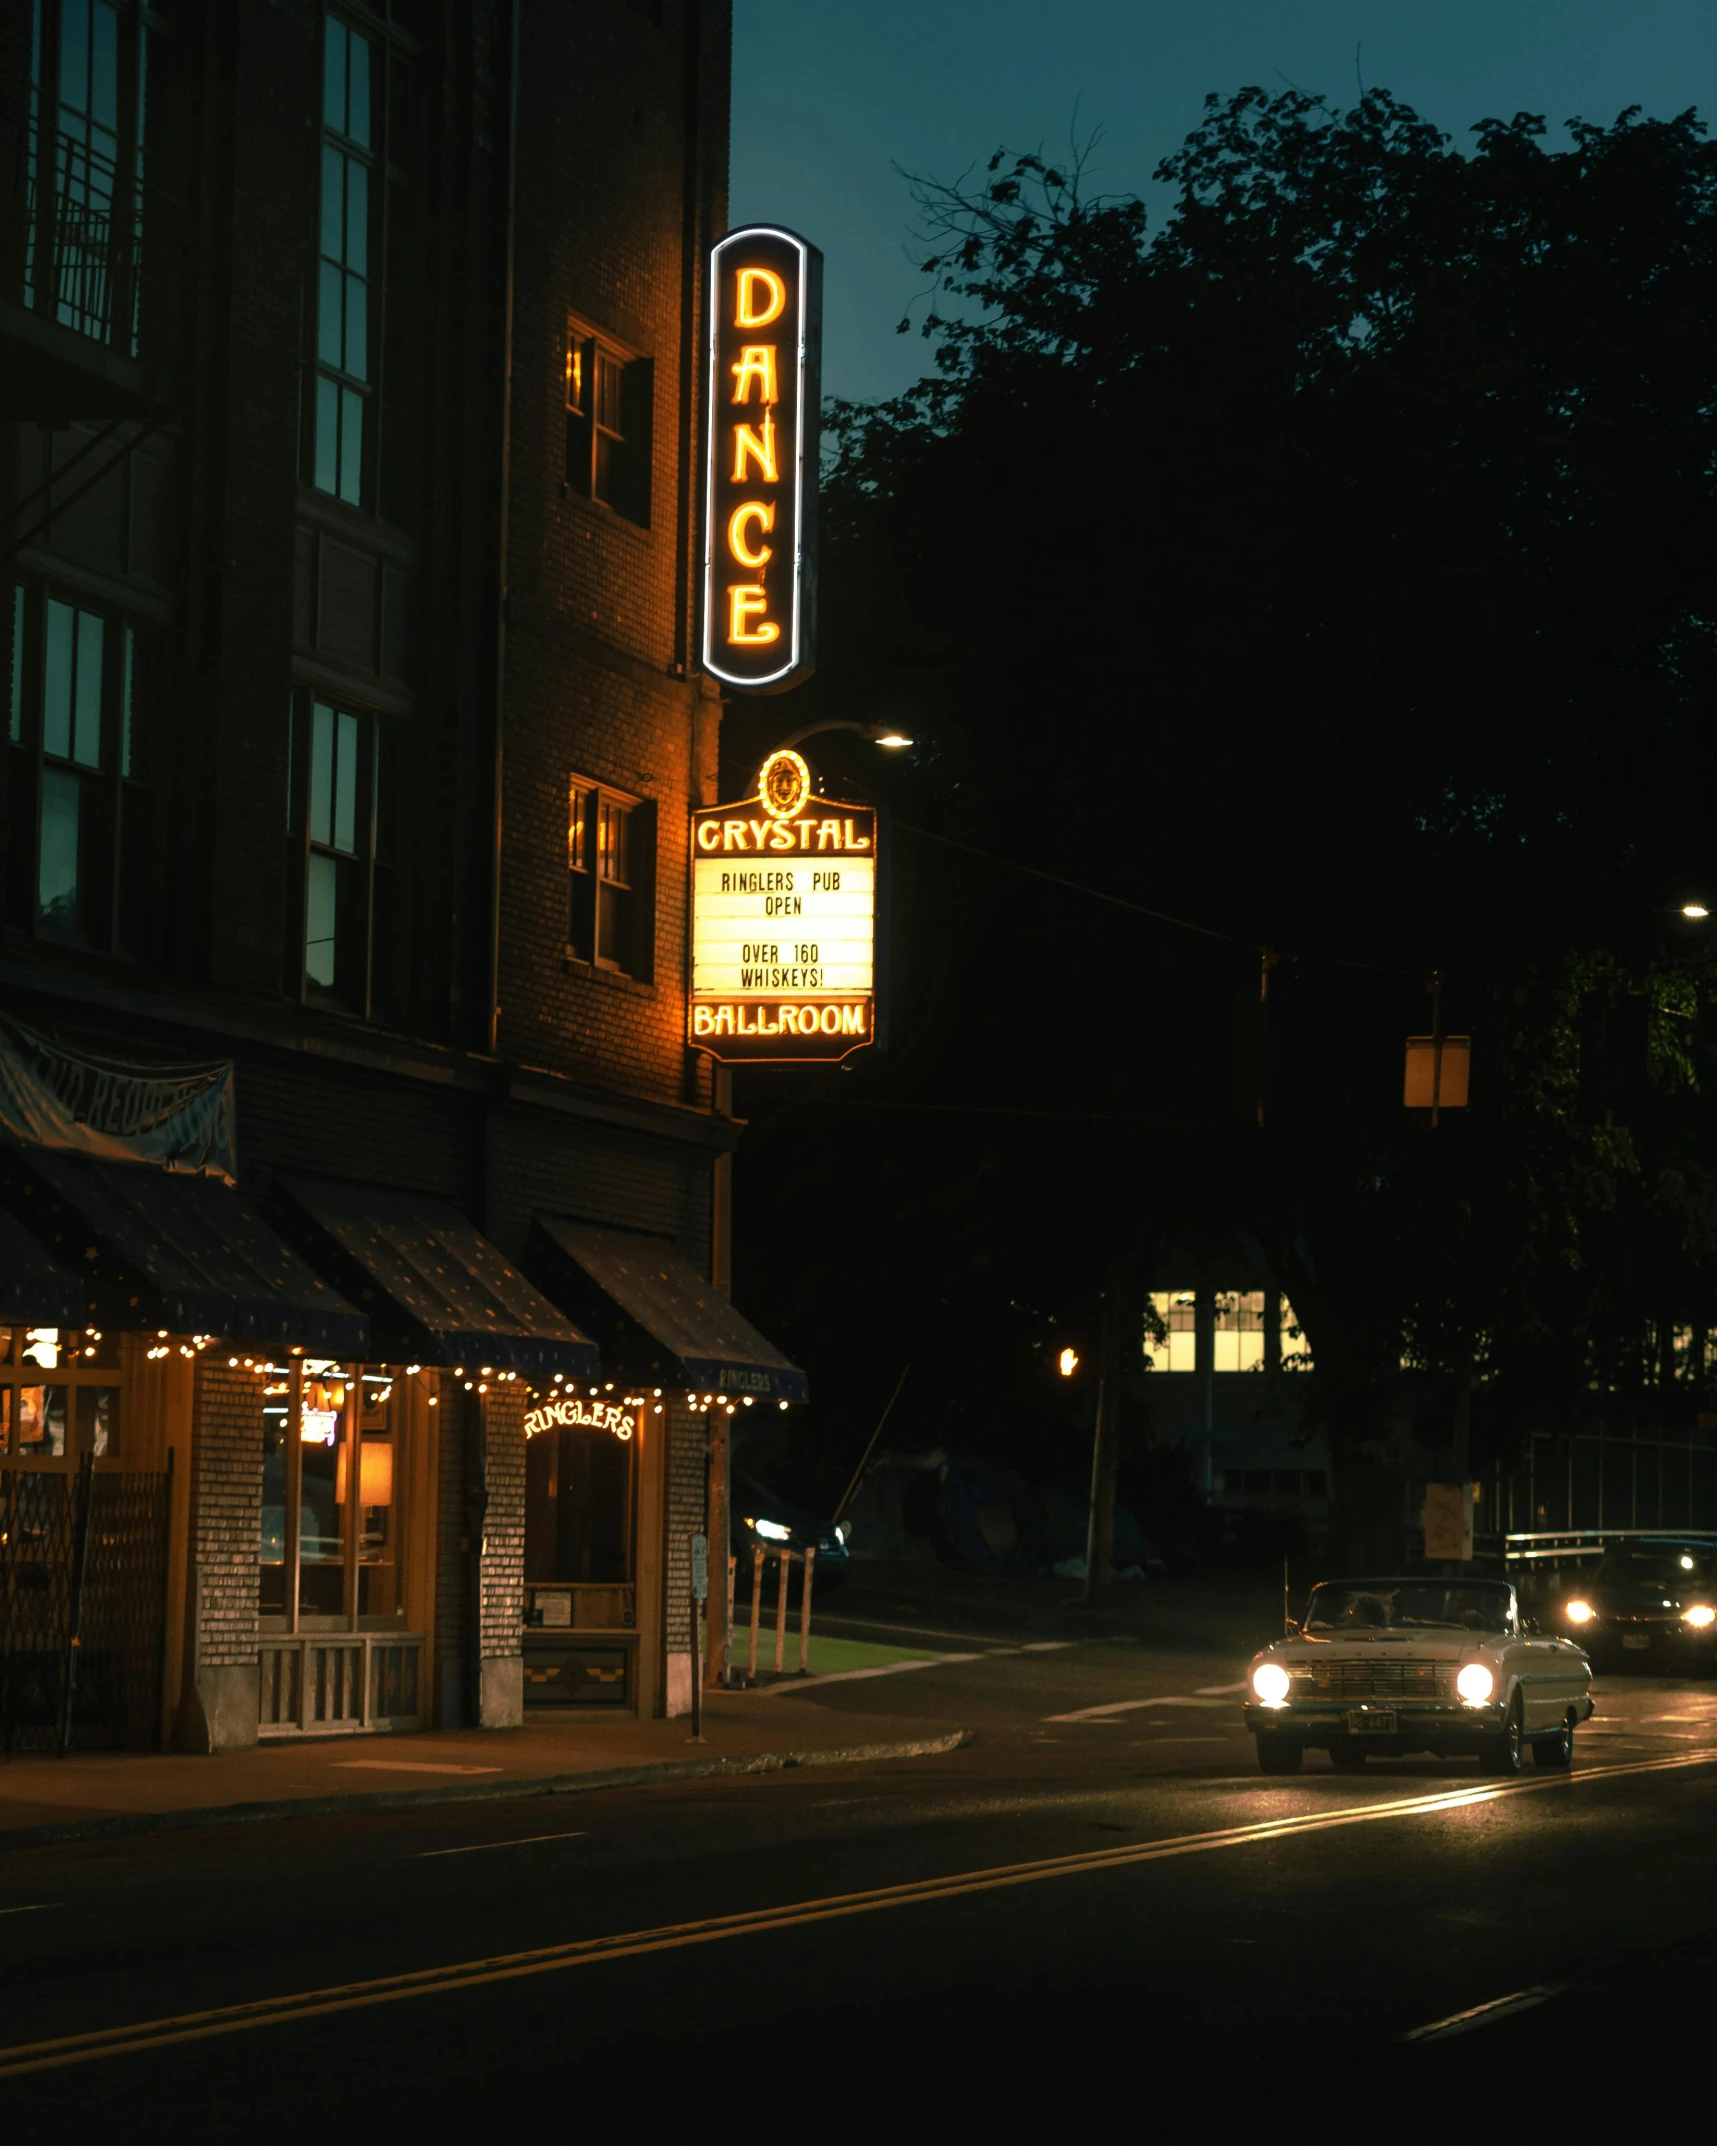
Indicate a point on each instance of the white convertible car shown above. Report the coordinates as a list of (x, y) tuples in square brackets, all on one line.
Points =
[(1389, 1666)]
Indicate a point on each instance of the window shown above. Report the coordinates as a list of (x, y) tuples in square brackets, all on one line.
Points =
[(1176, 1313), (579, 1496), (609, 850), (1296, 1349), (343, 948), (328, 1559), (1238, 1330), (90, 65), (608, 400), (78, 851), (343, 377), (59, 1397), (365, 367)]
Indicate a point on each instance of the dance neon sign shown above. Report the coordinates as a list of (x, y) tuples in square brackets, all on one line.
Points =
[(760, 449)]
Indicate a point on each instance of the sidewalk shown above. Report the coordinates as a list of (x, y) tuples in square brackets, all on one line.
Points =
[(93, 1794)]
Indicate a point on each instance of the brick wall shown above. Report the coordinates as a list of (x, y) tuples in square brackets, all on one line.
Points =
[(504, 1527), (686, 1514), (226, 1512)]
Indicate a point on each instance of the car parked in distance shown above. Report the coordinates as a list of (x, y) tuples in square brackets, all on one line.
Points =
[(763, 1520), (1382, 1667), (1651, 1604)]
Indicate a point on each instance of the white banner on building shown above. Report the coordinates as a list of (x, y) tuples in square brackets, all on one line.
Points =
[(175, 1117)]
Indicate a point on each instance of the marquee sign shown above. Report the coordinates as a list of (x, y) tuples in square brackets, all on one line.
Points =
[(571, 1412), (783, 923), (760, 455)]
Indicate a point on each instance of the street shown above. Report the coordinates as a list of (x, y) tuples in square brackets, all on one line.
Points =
[(1097, 1874)]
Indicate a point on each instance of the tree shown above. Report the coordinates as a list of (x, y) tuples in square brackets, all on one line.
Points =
[(1329, 570)]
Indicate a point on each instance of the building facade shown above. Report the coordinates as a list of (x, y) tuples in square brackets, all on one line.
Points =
[(365, 1207)]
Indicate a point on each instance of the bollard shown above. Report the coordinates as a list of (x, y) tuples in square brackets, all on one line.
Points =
[(805, 1615), (783, 1573), (756, 1605)]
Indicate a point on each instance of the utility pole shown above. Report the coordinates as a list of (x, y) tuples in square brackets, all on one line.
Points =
[(1105, 1444)]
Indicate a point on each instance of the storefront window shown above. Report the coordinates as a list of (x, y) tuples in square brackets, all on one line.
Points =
[(579, 1494), (59, 1397), (329, 1548)]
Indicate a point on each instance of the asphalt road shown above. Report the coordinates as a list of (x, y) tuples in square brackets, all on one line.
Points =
[(1098, 1894)]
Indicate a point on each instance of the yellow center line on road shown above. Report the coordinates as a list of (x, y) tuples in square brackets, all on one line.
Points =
[(149, 2034)]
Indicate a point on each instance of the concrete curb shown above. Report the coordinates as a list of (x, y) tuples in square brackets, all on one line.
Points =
[(557, 1784)]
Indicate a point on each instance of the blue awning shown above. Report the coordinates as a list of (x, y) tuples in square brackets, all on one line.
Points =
[(434, 1289), (658, 1321), (165, 1248)]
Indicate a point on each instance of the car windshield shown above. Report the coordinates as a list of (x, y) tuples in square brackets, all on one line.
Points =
[(1657, 1564), (1355, 1606)]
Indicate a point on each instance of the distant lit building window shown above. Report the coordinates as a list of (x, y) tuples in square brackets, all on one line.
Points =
[(1296, 1349), (1177, 1317), (1238, 1330), (608, 411)]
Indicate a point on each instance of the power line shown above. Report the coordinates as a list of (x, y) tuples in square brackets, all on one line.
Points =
[(1160, 916)]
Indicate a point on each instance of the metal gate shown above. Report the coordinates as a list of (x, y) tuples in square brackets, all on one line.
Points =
[(83, 1598)]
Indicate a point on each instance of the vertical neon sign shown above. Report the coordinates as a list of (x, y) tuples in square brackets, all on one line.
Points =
[(760, 460)]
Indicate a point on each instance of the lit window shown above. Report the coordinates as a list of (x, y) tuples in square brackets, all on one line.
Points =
[(608, 412), (1238, 1330), (608, 865), (59, 1399), (1296, 1349), (1176, 1312)]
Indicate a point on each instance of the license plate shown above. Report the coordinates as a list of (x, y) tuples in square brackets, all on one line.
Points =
[(1637, 1640), (1372, 1722)]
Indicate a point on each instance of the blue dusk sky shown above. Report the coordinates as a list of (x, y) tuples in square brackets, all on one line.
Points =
[(829, 97)]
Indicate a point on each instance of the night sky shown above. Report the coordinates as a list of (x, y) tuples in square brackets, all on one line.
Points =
[(829, 96)]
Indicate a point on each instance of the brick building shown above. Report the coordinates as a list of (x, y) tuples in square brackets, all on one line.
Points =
[(348, 429)]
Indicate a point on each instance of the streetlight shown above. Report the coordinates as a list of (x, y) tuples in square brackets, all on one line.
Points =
[(1696, 910), (877, 733)]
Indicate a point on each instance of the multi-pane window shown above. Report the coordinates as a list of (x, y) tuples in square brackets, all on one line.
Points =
[(77, 847), (329, 1558), (83, 226), (608, 855), (59, 1397), (1239, 1336), (1176, 1313), (608, 426), (362, 416), (1237, 1330), (340, 825), (343, 374)]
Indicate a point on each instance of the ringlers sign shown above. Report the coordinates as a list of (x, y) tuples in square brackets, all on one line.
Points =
[(784, 890), (760, 434)]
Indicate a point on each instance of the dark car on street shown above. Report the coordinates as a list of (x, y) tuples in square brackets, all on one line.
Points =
[(1651, 1604), (764, 1520)]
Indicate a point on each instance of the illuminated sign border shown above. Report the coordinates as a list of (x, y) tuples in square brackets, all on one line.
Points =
[(798, 662), (845, 1038)]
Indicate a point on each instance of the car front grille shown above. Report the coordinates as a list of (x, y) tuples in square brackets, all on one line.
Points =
[(1370, 1680)]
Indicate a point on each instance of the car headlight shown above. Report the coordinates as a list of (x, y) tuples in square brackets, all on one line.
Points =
[(772, 1530), (1475, 1683), (1700, 1615), (1578, 1612), (1270, 1684)]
